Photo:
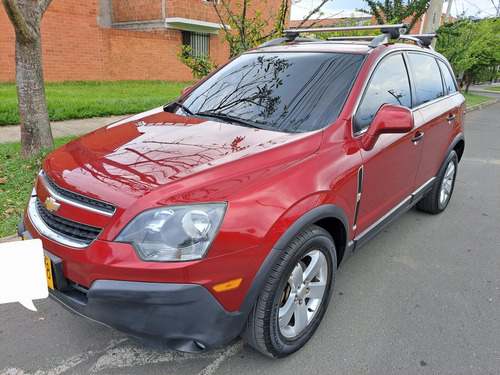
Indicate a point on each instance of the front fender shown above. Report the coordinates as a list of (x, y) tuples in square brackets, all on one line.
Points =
[(300, 217), (326, 211)]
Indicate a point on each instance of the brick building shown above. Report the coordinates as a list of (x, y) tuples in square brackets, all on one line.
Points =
[(118, 39), (113, 40)]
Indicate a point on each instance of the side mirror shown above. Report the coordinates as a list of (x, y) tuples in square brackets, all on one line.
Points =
[(390, 118), (186, 90)]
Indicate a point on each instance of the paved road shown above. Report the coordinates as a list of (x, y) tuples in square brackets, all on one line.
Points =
[(422, 298)]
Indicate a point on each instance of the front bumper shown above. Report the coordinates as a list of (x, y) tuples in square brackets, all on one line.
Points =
[(184, 317)]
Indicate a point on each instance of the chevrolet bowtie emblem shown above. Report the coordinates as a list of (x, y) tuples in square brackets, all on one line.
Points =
[(51, 204)]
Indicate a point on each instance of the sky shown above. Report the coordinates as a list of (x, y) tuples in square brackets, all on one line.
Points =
[(479, 8)]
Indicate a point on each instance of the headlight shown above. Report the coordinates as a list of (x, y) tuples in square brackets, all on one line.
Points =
[(175, 233)]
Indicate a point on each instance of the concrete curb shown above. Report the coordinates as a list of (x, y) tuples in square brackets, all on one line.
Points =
[(11, 238), (481, 105)]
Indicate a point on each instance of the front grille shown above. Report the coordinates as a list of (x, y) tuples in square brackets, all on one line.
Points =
[(77, 231), (87, 201)]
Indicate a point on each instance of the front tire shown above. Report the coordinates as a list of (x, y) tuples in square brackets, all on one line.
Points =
[(436, 200), (295, 297)]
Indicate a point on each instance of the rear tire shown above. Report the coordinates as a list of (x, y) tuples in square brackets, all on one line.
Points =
[(294, 299), (436, 200)]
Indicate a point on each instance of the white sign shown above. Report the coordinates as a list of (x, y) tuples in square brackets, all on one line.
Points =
[(22, 273)]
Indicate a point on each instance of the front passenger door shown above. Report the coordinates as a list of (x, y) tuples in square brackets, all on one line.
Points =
[(389, 169)]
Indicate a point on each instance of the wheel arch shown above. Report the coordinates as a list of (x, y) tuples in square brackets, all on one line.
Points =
[(330, 217), (459, 148), (458, 145)]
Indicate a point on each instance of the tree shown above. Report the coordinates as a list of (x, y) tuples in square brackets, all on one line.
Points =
[(352, 21), (245, 28), (201, 64), (26, 17), (396, 11), (471, 47)]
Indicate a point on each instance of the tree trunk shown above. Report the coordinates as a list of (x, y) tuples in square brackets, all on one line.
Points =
[(36, 133), (467, 84), (26, 17)]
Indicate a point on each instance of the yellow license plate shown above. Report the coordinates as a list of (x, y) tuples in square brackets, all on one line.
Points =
[(48, 271)]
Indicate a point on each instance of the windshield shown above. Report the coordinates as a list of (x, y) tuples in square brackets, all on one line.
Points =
[(287, 92)]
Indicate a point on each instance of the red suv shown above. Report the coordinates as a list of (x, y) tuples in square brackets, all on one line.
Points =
[(228, 211)]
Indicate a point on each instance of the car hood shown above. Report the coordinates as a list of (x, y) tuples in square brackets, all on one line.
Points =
[(124, 161)]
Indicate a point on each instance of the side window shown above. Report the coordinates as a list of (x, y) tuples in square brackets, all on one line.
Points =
[(427, 76), (449, 80), (388, 85)]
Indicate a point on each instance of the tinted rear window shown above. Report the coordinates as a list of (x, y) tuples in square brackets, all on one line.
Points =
[(280, 91), (428, 77), (449, 80)]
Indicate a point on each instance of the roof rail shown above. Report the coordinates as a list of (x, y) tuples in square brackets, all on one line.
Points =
[(274, 42), (360, 37), (388, 32), (349, 28), (423, 40)]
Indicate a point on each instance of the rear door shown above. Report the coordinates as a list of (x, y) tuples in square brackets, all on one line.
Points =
[(434, 91)]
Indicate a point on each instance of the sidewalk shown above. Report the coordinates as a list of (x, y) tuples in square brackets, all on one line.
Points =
[(61, 128)]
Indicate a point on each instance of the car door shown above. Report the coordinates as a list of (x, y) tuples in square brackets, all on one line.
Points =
[(388, 172), (434, 91)]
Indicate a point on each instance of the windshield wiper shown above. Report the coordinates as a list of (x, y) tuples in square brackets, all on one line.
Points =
[(228, 118), (170, 107)]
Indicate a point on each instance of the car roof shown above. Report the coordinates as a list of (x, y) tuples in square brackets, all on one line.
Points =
[(324, 46), (339, 47), (358, 44)]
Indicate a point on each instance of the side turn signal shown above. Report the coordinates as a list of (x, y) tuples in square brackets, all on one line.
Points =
[(228, 285)]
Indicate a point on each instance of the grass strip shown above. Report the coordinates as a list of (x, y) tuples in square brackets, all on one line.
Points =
[(17, 178), (473, 99), (86, 99)]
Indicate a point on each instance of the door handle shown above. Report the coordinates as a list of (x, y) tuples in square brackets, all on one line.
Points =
[(418, 137), (451, 118)]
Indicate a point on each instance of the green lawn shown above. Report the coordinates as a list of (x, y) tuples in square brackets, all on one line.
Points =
[(493, 88), (473, 99), (17, 177), (85, 99)]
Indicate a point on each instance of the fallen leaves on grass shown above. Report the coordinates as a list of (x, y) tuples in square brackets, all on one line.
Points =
[(8, 212)]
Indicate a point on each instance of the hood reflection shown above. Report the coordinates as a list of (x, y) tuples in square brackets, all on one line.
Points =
[(137, 156)]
